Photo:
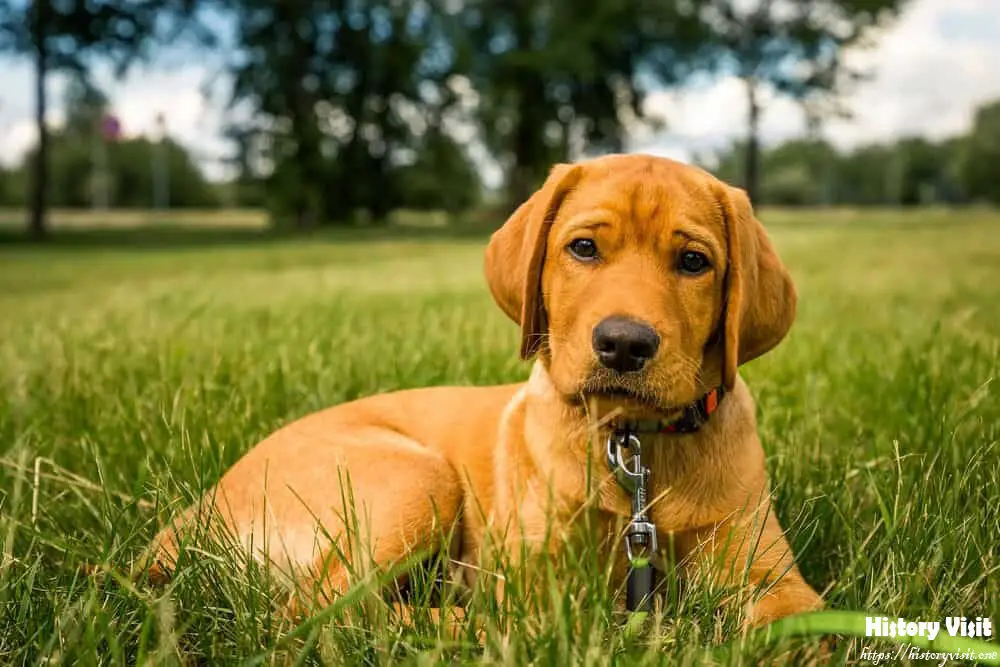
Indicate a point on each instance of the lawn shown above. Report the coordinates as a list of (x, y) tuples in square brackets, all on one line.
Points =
[(132, 375)]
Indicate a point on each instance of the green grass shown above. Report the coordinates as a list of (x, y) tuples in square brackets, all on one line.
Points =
[(131, 376)]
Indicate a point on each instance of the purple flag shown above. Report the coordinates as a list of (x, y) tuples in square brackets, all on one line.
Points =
[(111, 128)]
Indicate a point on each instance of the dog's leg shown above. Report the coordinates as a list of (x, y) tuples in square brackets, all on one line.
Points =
[(750, 548), (350, 560), (392, 521), (328, 513)]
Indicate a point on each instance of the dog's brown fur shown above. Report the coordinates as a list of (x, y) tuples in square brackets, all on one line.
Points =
[(511, 461)]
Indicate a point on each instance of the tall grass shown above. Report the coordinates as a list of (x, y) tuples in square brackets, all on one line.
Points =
[(130, 379)]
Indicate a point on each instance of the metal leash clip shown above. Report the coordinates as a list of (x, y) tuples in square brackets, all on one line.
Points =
[(629, 478), (640, 539)]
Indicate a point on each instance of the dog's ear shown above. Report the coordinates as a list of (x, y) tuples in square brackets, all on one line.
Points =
[(516, 254), (760, 297)]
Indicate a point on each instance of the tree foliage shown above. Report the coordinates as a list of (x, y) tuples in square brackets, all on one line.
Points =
[(346, 92), (792, 47), (361, 96), (560, 77), (980, 155), (911, 171), (128, 177), (347, 109)]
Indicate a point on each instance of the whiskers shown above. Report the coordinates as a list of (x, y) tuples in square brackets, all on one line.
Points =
[(637, 386), (544, 340), (665, 386)]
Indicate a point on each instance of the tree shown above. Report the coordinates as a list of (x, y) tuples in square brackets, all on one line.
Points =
[(247, 187), (801, 172), (792, 47), (352, 91), (442, 177), (912, 171), (32, 39), (980, 155), (346, 90), (66, 35), (920, 172), (865, 176), (128, 174), (554, 73)]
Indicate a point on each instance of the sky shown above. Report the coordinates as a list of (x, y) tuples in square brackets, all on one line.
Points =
[(929, 70)]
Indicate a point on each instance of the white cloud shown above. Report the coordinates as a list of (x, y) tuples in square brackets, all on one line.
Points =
[(192, 118), (931, 71), (18, 137), (931, 68), (17, 127), (710, 114)]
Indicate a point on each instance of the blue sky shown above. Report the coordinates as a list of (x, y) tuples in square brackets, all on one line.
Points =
[(931, 68)]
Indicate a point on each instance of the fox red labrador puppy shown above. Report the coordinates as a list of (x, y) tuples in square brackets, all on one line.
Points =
[(640, 285)]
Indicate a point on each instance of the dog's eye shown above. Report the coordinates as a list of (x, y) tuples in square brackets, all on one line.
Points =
[(583, 249), (693, 263)]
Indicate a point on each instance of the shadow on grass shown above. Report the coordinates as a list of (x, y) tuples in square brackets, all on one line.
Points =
[(190, 236)]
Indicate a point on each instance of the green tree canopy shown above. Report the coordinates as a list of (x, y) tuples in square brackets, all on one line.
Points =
[(980, 155)]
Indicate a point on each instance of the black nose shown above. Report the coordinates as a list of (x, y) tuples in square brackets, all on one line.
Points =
[(624, 344)]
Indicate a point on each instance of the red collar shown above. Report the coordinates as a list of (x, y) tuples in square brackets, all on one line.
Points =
[(693, 417)]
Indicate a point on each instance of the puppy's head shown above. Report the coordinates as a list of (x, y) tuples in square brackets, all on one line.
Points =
[(640, 282)]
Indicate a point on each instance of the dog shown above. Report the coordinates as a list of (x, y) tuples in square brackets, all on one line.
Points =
[(640, 285)]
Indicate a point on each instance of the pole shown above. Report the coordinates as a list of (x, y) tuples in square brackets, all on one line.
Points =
[(161, 171), (95, 169), (103, 132)]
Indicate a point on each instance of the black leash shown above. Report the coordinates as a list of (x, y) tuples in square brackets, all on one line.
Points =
[(640, 538)]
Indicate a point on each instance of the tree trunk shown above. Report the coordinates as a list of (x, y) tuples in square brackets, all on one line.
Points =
[(381, 203), (36, 221), (521, 180), (528, 141), (520, 187), (308, 162), (751, 165)]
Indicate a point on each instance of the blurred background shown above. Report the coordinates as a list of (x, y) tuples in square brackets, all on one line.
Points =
[(298, 115)]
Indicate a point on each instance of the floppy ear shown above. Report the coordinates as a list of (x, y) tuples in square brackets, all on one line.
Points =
[(516, 254), (760, 296)]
